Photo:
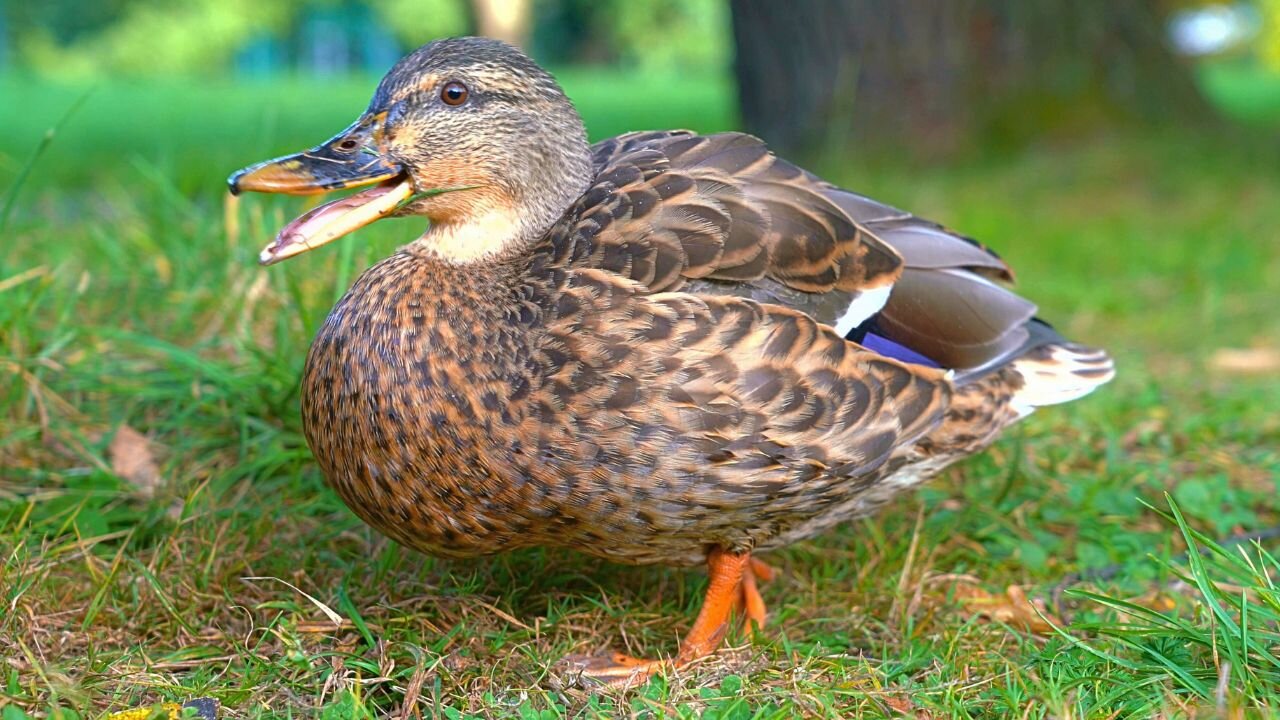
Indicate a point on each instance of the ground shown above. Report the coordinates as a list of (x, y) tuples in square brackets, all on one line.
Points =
[(164, 533)]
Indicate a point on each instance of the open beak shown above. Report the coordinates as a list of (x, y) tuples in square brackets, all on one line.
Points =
[(348, 160)]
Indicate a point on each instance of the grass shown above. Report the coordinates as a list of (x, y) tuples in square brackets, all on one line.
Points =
[(129, 298), (194, 131)]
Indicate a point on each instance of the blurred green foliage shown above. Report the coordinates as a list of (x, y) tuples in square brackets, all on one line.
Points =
[(1242, 91), (184, 37), (669, 35), (150, 37), (142, 37), (1269, 40), (415, 21)]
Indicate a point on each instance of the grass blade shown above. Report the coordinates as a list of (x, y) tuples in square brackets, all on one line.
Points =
[(11, 195)]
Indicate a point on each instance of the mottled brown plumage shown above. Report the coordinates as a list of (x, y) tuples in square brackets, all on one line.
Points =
[(643, 350)]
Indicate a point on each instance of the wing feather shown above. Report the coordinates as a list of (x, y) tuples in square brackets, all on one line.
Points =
[(721, 207), (720, 215)]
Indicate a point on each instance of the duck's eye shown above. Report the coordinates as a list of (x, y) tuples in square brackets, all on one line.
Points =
[(454, 93), (348, 145)]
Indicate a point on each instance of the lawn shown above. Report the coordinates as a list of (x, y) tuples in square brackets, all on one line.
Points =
[(130, 303)]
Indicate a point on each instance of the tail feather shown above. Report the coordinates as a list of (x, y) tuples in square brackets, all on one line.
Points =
[(1059, 373), (950, 309)]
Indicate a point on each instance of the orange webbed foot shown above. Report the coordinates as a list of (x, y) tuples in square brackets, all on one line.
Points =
[(610, 670), (732, 591)]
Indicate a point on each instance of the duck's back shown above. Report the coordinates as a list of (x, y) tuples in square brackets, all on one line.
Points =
[(720, 219)]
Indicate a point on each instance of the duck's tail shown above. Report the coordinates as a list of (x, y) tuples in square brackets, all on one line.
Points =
[(951, 308), (1049, 371), (1057, 371)]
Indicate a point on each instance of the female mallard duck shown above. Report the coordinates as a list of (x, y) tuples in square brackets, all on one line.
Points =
[(661, 348)]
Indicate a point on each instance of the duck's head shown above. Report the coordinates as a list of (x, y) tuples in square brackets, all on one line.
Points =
[(468, 132)]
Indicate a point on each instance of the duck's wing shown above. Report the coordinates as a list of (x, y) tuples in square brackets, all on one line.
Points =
[(769, 407), (722, 215), (669, 207)]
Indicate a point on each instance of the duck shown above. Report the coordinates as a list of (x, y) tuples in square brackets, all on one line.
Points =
[(661, 348)]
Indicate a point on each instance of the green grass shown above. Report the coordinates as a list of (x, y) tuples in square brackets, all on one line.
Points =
[(195, 131), (127, 298), (1245, 90)]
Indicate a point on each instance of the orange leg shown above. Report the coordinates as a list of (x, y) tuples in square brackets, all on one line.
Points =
[(757, 571), (727, 592), (753, 604)]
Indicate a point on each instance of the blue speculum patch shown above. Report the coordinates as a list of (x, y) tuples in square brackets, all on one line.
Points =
[(889, 348)]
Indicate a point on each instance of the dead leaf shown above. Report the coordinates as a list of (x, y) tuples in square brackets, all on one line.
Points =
[(902, 706), (505, 616), (1157, 600), (409, 708), (132, 458), (898, 704), (323, 626), (1246, 361), (1012, 608)]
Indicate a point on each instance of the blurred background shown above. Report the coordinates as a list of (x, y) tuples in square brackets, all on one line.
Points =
[(1124, 157), (200, 82)]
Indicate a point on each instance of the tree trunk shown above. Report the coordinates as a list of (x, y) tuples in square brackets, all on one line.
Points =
[(506, 20), (937, 74)]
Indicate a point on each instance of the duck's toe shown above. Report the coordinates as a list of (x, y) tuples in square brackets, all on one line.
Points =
[(763, 571), (608, 670)]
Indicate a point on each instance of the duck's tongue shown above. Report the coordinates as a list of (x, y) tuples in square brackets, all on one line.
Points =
[(328, 222)]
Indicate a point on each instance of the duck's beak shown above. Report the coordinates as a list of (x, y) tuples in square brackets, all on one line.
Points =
[(347, 160)]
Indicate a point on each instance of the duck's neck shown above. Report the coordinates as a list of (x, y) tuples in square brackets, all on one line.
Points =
[(517, 199), (482, 236)]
